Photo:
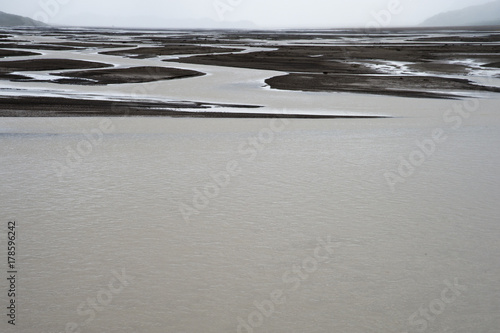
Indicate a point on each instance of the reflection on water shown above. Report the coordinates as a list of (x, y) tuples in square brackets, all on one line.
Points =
[(116, 211), (243, 86)]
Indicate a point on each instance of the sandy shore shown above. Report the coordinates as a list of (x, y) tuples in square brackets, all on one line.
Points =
[(353, 68), (402, 86), (12, 53), (127, 75), (66, 107), (8, 67), (493, 64), (48, 65)]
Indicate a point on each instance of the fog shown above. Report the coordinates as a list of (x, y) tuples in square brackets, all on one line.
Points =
[(234, 13)]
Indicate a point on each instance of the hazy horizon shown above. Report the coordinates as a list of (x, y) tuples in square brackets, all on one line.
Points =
[(236, 13)]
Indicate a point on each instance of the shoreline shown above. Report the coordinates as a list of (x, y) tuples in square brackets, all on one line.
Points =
[(67, 107), (417, 63)]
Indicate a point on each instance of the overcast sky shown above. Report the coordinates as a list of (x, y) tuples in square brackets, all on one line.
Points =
[(262, 13)]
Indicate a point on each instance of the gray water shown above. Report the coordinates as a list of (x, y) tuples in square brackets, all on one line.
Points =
[(116, 207), (221, 225)]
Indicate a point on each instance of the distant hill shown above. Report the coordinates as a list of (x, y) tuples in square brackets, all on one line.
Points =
[(9, 20), (487, 14)]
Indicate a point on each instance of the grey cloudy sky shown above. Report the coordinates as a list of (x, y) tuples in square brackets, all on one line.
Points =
[(262, 13)]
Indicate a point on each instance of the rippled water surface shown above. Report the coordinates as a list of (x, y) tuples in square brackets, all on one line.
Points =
[(92, 208), (135, 225)]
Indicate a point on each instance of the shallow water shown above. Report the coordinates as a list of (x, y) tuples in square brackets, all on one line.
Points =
[(117, 207), (220, 225), (239, 85)]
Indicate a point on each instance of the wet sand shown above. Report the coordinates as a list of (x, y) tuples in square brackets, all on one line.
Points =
[(411, 63), (48, 65), (350, 67), (66, 107), (126, 75), (151, 52), (12, 53), (493, 64), (30, 106), (8, 67), (402, 86)]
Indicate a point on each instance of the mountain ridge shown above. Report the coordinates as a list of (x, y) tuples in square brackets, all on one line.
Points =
[(11, 20), (478, 15)]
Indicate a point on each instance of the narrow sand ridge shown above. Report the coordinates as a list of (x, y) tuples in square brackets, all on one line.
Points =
[(27, 106)]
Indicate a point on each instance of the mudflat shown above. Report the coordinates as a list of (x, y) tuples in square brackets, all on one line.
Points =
[(12, 53), (27, 106), (170, 49), (402, 86), (403, 63), (126, 75), (48, 64), (385, 68)]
